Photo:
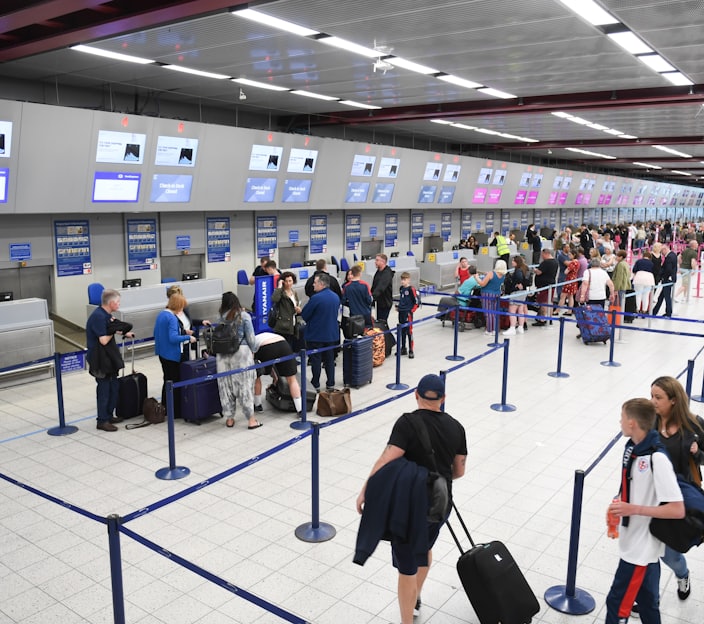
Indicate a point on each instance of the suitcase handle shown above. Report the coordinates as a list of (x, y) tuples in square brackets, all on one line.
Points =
[(464, 526), (122, 344)]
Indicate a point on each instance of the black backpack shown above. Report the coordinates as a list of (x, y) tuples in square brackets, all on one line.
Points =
[(223, 339)]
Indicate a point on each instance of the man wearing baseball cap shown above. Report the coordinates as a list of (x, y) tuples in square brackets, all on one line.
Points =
[(449, 444)]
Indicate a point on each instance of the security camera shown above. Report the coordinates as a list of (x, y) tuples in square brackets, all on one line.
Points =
[(243, 95)]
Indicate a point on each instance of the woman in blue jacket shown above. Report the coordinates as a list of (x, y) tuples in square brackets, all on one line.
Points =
[(168, 342)]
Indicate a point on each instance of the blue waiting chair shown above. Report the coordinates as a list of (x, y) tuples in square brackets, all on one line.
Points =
[(95, 292), (296, 265), (344, 265), (242, 277)]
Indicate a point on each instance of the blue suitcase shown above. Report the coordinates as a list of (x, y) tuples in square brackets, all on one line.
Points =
[(593, 323), (357, 362), (201, 400)]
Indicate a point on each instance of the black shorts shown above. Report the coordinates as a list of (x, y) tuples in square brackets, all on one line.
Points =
[(277, 350)]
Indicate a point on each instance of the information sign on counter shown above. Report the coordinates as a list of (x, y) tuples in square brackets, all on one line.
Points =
[(353, 231), (416, 228), (390, 229), (446, 226), (318, 234), (218, 239), (72, 243), (267, 236), (141, 244)]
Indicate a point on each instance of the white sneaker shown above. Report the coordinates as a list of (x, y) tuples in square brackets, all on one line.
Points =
[(511, 331), (488, 333), (520, 329)]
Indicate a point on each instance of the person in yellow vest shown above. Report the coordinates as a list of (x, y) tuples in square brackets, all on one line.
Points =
[(502, 249)]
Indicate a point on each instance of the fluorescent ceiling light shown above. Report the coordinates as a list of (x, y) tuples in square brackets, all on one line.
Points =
[(410, 65), (259, 85), (496, 93), (656, 62), (275, 22), (562, 115), (627, 136), (597, 126), (684, 173), (486, 131), (460, 82), (588, 153), (646, 165), (112, 55), (580, 121), (528, 140), (631, 42), (442, 121), (316, 96), (613, 131), (462, 126), (669, 150), (359, 104), (677, 78), (590, 11), (195, 72), (350, 46)]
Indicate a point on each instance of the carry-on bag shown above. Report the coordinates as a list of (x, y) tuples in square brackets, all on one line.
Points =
[(389, 339), (279, 394), (629, 306), (334, 402), (593, 323), (357, 362), (446, 305), (493, 582), (353, 326), (131, 392), (200, 400)]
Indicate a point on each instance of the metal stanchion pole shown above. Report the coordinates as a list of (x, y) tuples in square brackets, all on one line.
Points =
[(503, 406), (172, 472), (303, 423), (558, 372), (398, 385), (62, 429), (454, 357), (118, 599)]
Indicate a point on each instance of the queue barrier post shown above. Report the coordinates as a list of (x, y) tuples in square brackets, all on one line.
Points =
[(303, 423), (612, 341), (315, 531), (690, 377), (558, 373), (699, 398), (398, 385), (443, 376), (63, 428), (118, 598), (568, 598), (456, 327), (503, 406), (172, 471)]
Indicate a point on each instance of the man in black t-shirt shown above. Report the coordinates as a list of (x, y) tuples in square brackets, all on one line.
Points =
[(545, 275), (449, 443)]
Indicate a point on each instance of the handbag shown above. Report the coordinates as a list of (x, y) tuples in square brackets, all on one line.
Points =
[(334, 402), (154, 414)]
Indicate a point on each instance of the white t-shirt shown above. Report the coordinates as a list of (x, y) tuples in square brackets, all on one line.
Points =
[(266, 338), (649, 486), (597, 279)]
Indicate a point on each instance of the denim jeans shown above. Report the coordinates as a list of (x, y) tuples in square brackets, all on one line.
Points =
[(106, 395), (676, 562)]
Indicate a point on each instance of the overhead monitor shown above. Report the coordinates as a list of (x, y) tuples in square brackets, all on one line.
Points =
[(170, 188), (116, 186), (120, 147), (176, 151)]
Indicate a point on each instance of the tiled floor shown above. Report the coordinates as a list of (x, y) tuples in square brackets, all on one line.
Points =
[(54, 565)]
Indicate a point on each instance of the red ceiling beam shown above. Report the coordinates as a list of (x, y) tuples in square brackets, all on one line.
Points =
[(152, 13), (40, 12)]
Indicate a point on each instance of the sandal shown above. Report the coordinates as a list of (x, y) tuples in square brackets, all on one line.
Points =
[(254, 426), (230, 422)]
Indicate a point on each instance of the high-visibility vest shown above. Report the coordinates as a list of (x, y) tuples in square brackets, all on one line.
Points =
[(502, 247)]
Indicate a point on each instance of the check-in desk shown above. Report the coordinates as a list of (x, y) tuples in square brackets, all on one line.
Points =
[(439, 268), (404, 264), (487, 257), (140, 306), (26, 334)]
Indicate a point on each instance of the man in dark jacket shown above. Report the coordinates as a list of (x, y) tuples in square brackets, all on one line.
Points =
[(545, 275), (321, 266), (668, 277), (382, 287), (449, 443), (586, 240)]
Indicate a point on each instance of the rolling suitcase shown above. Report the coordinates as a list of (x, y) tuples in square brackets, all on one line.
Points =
[(389, 339), (201, 400), (593, 323), (493, 582), (279, 395), (132, 390), (357, 365), (629, 307), (446, 305)]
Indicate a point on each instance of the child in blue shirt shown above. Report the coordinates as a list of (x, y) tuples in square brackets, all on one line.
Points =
[(407, 304)]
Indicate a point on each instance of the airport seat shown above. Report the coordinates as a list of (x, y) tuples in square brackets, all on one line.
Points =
[(296, 265), (242, 277), (167, 280), (410, 253), (95, 292), (344, 265)]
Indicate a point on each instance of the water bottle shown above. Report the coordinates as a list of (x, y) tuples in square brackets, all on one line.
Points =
[(612, 522)]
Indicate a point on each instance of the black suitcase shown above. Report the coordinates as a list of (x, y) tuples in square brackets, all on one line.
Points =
[(353, 326), (201, 400), (131, 392), (357, 364), (630, 306), (389, 338), (493, 582), (446, 305), (279, 395)]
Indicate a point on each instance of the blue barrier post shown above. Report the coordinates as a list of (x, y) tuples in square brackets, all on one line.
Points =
[(443, 376), (172, 472), (62, 429), (454, 357), (568, 598), (690, 376), (503, 406), (118, 599), (699, 397), (303, 423), (558, 372), (315, 531), (398, 385), (612, 340)]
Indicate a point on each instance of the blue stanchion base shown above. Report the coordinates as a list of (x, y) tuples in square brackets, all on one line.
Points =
[(171, 474), (397, 386), (579, 604), (699, 398), (503, 407), (301, 425), (558, 374), (454, 358), (610, 363), (494, 344), (59, 431), (322, 533)]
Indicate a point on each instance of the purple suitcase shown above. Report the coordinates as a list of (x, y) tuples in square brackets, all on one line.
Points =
[(201, 400), (593, 323)]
